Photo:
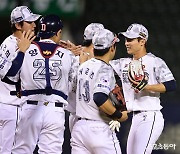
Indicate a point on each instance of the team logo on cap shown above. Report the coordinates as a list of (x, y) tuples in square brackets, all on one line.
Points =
[(142, 34)]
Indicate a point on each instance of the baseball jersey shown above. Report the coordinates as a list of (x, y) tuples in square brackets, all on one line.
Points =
[(71, 107), (4, 66), (157, 71), (93, 76), (8, 50), (42, 59)]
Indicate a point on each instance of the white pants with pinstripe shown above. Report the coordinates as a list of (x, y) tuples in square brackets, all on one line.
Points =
[(145, 130), (93, 137), (8, 120)]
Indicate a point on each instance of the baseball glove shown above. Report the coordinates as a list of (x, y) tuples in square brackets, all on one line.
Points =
[(117, 98), (137, 76)]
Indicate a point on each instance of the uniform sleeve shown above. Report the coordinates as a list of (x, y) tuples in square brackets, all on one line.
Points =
[(16, 64), (162, 71), (116, 66), (73, 73), (4, 66), (105, 81)]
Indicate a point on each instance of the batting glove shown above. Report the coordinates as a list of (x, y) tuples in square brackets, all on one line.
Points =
[(114, 125)]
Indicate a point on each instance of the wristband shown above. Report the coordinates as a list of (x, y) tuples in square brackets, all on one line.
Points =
[(116, 115)]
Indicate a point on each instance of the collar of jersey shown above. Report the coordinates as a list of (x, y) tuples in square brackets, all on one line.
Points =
[(102, 61), (47, 41)]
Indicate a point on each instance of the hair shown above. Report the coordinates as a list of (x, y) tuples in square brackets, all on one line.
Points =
[(139, 38), (101, 52), (13, 27), (87, 43)]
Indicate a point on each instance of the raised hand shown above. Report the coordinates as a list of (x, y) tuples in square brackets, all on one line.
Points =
[(24, 42)]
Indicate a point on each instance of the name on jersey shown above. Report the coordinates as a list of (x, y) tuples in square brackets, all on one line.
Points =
[(103, 86), (2, 63), (86, 71)]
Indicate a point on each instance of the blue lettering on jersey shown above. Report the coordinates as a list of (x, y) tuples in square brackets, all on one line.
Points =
[(91, 75), (103, 86), (3, 63), (60, 53), (80, 71), (87, 71), (33, 52)]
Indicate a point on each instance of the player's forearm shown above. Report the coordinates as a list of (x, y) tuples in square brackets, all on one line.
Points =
[(156, 88), (162, 87), (103, 102), (107, 107)]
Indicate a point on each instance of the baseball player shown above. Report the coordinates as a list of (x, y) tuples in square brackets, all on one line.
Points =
[(87, 53), (22, 20), (91, 133), (5, 65), (44, 76), (147, 122)]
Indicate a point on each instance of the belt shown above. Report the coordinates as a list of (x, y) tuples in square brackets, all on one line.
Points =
[(83, 118), (137, 112), (57, 104)]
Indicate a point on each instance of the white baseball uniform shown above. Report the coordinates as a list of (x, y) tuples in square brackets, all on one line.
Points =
[(71, 107), (147, 122), (8, 104), (5, 65), (45, 73), (91, 133)]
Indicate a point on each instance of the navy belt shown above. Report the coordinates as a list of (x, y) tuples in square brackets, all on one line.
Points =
[(136, 112), (83, 118), (57, 104), (40, 91)]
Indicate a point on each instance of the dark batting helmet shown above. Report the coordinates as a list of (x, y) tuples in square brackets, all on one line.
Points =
[(48, 26)]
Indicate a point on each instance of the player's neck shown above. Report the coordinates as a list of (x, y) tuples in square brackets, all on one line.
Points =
[(103, 58), (140, 54), (88, 49)]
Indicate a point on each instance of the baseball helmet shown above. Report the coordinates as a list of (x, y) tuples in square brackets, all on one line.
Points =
[(48, 26)]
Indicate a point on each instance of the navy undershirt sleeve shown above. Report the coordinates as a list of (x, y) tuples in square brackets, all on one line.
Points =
[(170, 85), (100, 98), (16, 64)]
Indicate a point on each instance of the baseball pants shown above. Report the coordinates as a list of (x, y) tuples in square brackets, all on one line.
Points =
[(40, 124), (8, 120), (145, 130), (90, 136)]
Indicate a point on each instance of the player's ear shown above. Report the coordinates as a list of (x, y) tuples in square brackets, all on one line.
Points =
[(143, 42), (59, 33), (113, 47), (18, 26)]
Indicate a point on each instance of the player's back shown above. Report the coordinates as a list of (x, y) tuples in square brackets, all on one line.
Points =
[(46, 65), (93, 76)]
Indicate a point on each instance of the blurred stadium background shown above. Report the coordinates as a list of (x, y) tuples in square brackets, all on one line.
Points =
[(160, 17)]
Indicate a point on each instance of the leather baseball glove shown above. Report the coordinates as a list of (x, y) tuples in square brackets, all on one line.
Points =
[(117, 98), (136, 75)]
